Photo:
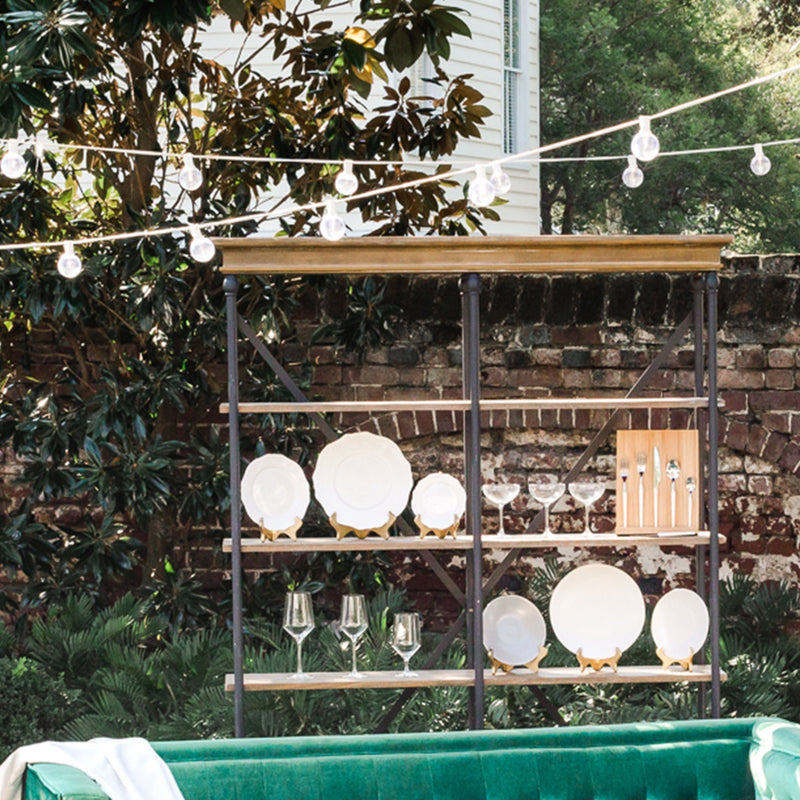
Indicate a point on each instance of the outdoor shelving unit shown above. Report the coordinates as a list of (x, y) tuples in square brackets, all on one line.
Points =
[(469, 258)]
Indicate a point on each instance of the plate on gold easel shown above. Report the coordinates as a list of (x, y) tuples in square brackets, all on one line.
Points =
[(438, 503), (679, 627), (514, 632)]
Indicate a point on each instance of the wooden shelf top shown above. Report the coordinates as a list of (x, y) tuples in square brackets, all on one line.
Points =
[(283, 681), (460, 254), (462, 542)]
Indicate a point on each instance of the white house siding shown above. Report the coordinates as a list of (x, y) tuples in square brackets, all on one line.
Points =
[(481, 56)]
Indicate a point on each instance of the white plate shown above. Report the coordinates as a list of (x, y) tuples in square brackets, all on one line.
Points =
[(513, 629), (362, 478), (597, 609), (680, 623), (439, 500), (274, 491)]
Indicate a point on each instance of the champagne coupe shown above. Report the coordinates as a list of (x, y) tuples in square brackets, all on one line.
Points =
[(588, 493), (298, 622), (500, 494), (546, 493), (405, 638), (353, 624)]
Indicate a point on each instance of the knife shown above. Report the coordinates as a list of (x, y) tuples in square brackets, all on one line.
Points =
[(656, 481)]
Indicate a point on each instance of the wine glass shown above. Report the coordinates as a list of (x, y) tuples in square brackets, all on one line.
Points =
[(353, 623), (298, 622), (546, 493), (500, 494), (405, 638), (588, 493)]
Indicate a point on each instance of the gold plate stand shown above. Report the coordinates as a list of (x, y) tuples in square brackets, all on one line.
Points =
[(343, 530), (667, 661), (291, 531), (598, 663), (424, 530), (532, 665)]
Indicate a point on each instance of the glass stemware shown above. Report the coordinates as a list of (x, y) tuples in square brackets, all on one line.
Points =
[(500, 494), (587, 493), (406, 638), (546, 493), (298, 622), (353, 624)]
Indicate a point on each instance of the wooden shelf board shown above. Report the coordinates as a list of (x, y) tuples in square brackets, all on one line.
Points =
[(502, 404), (463, 542), (283, 681)]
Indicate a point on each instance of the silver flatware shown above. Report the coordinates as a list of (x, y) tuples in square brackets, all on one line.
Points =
[(691, 485), (624, 472), (641, 468), (673, 473), (656, 482)]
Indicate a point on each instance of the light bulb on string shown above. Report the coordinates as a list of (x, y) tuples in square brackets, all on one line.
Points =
[(500, 181), (346, 182), (190, 178), (201, 248), (644, 144), (331, 226), (481, 191), (759, 163), (13, 165), (632, 176), (69, 265)]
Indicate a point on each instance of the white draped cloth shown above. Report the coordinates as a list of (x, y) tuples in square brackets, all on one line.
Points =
[(125, 769)]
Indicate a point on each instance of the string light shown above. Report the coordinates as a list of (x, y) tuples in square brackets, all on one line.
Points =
[(69, 265), (500, 181), (201, 248), (331, 226), (644, 144), (346, 183), (481, 191), (190, 178), (759, 163), (632, 177), (13, 165)]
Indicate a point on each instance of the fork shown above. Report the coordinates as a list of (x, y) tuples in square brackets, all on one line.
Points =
[(624, 472), (641, 468)]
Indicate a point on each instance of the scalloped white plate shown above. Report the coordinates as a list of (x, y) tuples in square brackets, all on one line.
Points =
[(362, 478), (680, 623), (439, 500), (513, 629), (275, 491), (597, 609)]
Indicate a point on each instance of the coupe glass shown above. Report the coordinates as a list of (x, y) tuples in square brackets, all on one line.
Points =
[(546, 493), (587, 493), (353, 624), (298, 622), (405, 638), (500, 494)]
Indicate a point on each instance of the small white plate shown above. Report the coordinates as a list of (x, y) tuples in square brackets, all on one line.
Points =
[(275, 491), (597, 609), (513, 629), (439, 500), (362, 478), (680, 623)]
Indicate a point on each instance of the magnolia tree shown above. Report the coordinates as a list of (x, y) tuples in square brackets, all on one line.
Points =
[(98, 371)]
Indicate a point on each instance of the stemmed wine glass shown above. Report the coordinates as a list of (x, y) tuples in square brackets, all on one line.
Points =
[(546, 493), (353, 623), (405, 638), (587, 493), (298, 622), (500, 494)]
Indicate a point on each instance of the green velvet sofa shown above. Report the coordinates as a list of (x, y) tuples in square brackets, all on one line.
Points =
[(708, 760)]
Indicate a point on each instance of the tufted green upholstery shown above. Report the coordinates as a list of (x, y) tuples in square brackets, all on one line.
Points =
[(692, 760)]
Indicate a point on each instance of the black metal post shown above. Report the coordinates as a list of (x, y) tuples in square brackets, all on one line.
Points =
[(470, 291), (712, 281), (231, 286)]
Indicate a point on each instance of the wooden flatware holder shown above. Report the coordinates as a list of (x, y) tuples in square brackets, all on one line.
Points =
[(680, 445)]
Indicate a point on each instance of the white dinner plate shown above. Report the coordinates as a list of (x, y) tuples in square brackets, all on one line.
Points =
[(513, 629), (362, 478), (597, 609), (439, 500), (275, 491), (680, 623)]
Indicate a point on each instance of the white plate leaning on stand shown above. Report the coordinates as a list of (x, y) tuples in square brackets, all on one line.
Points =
[(514, 632), (679, 626), (438, 502)]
